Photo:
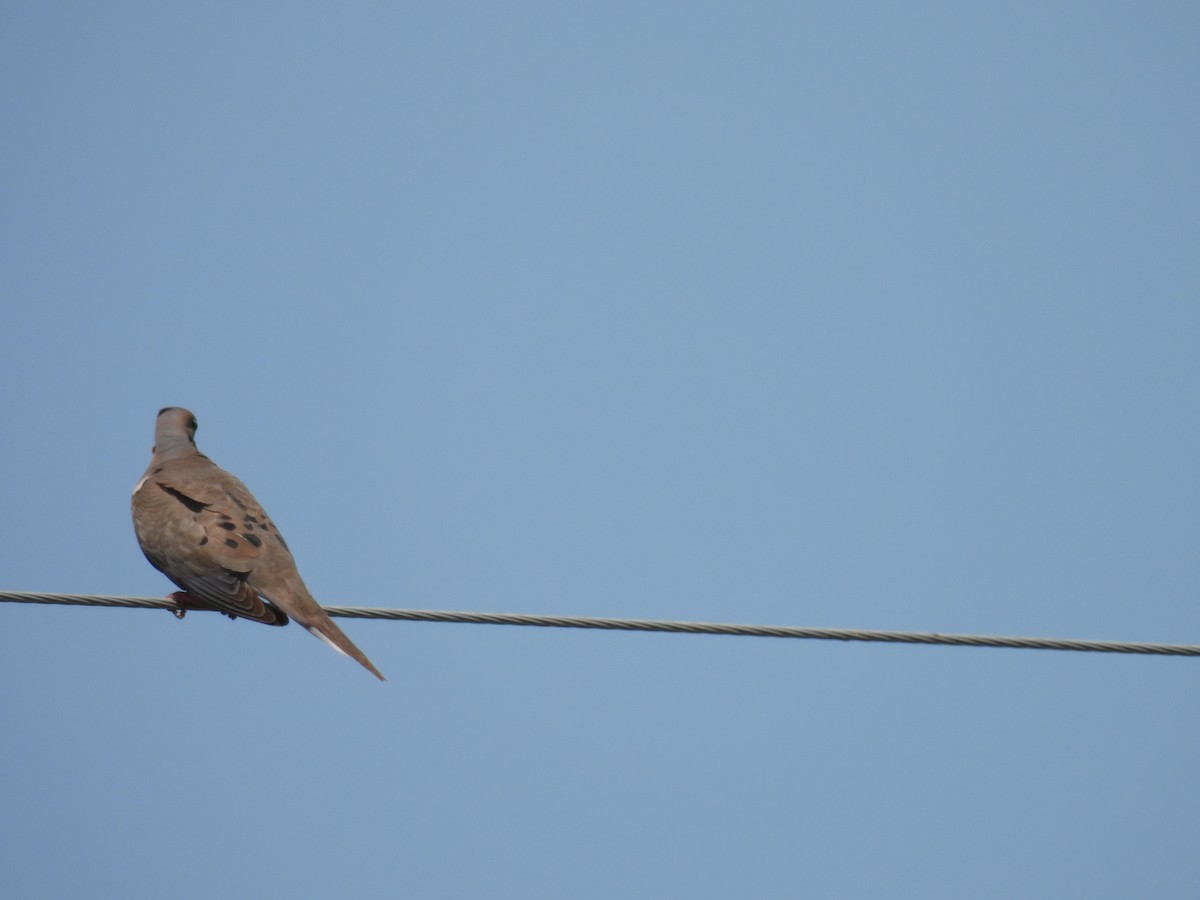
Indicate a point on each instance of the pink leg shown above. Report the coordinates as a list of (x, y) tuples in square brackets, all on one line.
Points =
[(183, 602)]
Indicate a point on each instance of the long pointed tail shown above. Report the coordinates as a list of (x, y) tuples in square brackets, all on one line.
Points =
[(288, 591), (325, 628)]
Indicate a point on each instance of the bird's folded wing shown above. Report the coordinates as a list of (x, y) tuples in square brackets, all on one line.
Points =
[(208, 544)]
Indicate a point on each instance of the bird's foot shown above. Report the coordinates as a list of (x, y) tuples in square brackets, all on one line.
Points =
[(183, 602)]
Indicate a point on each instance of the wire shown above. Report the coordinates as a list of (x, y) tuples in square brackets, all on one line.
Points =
[(782, 631)]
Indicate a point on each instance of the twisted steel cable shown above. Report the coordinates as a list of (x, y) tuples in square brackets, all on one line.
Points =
[(780, 631)]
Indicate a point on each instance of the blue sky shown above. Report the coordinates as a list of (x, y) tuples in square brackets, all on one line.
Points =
[(846, 315)]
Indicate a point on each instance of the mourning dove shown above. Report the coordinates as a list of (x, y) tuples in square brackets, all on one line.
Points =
[(204, 530)]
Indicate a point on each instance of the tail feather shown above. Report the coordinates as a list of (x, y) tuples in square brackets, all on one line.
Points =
[(328, 632), (287, 590)]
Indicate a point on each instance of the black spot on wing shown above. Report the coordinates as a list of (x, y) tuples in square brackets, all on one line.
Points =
[(194, 505), (253, 540), (230, 542)]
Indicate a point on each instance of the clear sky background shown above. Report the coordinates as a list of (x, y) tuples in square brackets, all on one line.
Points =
[(853, 315)]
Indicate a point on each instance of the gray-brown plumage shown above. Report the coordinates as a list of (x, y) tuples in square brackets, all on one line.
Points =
[(204, 530)]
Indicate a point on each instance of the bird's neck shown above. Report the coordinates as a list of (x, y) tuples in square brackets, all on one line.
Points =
[(168, 450)]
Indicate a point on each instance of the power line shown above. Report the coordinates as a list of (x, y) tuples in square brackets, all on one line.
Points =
[(781, 631)]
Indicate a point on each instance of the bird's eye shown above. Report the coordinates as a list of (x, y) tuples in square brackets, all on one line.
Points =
[(192, 424)]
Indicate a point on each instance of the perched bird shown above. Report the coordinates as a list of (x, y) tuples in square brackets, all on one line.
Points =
[(204, 530)]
